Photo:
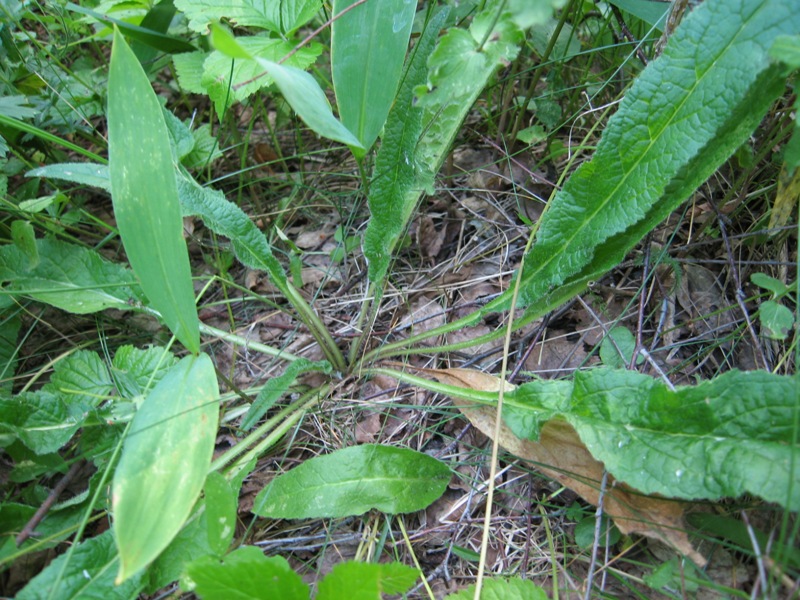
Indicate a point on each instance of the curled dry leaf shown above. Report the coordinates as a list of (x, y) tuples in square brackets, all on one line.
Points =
[(561, 455)]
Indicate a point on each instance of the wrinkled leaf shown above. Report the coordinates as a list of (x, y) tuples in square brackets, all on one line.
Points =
[(366, 581), (164, 462), (89, 573), (685, 114), (368, 46), (354, 480), (69, 277), (41, 420), (145, 195), (136, 371), (398, 178), (246, 573), (280, 16)]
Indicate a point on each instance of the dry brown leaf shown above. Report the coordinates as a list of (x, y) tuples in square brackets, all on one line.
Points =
[(561, 454)]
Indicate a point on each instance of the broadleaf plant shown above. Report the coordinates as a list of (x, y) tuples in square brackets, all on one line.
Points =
[(148, 419)]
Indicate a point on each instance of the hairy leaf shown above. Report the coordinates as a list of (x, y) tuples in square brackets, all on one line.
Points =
[(164, 462), (398, 178), (145, 195), (41, 420), (368, 45), (686, 113), (354, 480)]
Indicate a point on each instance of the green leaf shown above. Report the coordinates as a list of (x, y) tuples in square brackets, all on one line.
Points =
[(10, 323), (136, 371), (225, 218), (84, 173), (277, 386), (366, 581), (24, 238), (206, 149), (664, 141), (354, 480), (280, 16), (307, 99), (189, 545), (229, 73), (787, 49), (41, 420), (585, 532), (246, 574), (88, 573), (164, 462), (617, 348), (145, 195), (652, 12), (503, 589), (82, 379), (150, 37), (776, 320), (69, 277), (725, 437), (221, 505), (368, 46), (398, 178), (776, 286)]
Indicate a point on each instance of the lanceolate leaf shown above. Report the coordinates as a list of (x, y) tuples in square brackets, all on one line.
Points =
[(368, 46), (399, 179), (145, 195), (354, 480), (686, 113), (164, 462)]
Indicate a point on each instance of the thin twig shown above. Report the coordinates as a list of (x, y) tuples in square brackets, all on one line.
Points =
[(40, 514), (598, 528)]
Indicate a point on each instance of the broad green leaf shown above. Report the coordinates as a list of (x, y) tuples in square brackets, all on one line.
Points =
[(164, 462), (663, 142), (24, 238), (136, 371), (503, 589), (206, 148), (189, 68), (354, 480), (82, 379), (246, 574), (158, 20), (398, 178), (145, 195), (731, 435), (221, 504), (41, 420), (366, 581), (776, 286), (277, 386), (88, 573), (83, 173), (69, 277), (787, 49), (280, 16), (229, 73), (368, 45), (776, 320)]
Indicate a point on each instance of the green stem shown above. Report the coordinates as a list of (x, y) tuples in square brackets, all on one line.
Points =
[(49, 137), (245, 343), (306, 314), (272, 430)]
